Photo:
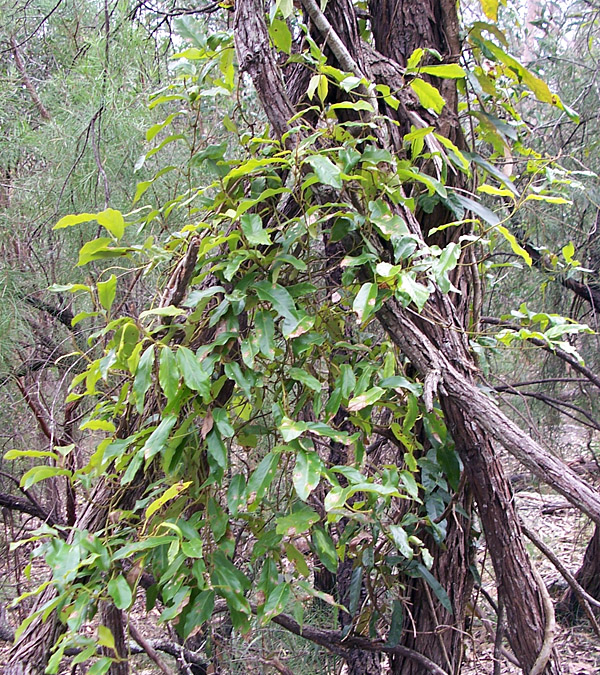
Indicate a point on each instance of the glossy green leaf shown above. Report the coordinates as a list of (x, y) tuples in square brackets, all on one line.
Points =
[(265, 332), (98, 249), (365, 399), (514, 244), (400, 537), (216, 448), (262, 477), (159, 437), (436, 587), (302, 376), (143, 377), (297, 522), (276, 602), (252, 228), (364, 302), (396, 624), (280, 35), (170, 493), (112, 220), (107, 291), (236, 493), (307, 473), (448, 70), (222, 423), (327, 172), (290, 429), (200, 611), (168, 373), (325, 549), (39, 473), (120, 591), (193, 374), (429, 97), (417, 292)]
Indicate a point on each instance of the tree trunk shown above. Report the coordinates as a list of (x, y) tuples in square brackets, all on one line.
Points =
[(112, 618), (588, 577)]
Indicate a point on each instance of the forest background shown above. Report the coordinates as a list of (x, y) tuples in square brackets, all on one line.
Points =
[(287, 292)]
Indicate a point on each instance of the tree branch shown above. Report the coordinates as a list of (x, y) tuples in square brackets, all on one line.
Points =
[(44, 114)]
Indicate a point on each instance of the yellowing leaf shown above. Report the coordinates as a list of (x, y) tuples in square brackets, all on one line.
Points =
[(429, 96), (490, 9), (167, 495)]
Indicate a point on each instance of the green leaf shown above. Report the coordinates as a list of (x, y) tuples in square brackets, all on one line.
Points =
[(297, 522), (200, 612), (221, 419), (364, 302), (120, 591), (514, 244), (479, 209), (436, 587), (365, 399), (280, 35), (98, 249), (396, 624), (105, 637), (170, 493), (107, 291), (158, 438), (297, 558), (325, 549), (193, 374), (253, 230), (327, 172), (282, 303), (276, 602), (234, 372), (15, 454), (428, 95), (307, 473), (418, 293), (399, 382), (143, 378), (450, 71), (302, 376), (236, 493), (290, 429), (39, 473), (168, 373), (265, 331), (100, 666), (216, 448), (70, 220), (112, 221), (262, 477), (400, 537)]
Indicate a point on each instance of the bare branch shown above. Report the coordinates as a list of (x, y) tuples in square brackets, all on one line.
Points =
[(44, 114)]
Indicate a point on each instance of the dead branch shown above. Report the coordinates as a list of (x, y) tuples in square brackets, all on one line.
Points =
[(44, 114)]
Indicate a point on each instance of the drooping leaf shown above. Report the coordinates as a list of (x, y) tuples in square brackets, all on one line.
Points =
[(107, 291), (120, 591), (307, 473), (327, 172), (194, 376), (429, 97), (364, 302), (168, 373)]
